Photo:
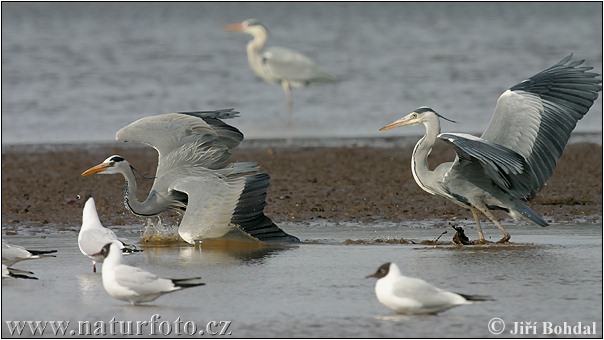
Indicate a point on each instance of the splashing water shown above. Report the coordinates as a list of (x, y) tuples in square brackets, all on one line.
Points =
[(158, 233)]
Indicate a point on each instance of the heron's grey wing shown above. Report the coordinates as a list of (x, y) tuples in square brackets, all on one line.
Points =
[(286, 64), (140, 281), (536, 117), (168, 132), (185, 141), (503, 165), (211, 204), (229, 201)]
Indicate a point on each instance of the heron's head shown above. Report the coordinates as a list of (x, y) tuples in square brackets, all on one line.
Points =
[(112, 165), (249, 26), (420, 115)]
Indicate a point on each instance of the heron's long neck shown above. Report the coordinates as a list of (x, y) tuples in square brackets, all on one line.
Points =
[(130, 200), (254, 52), (419, 160)]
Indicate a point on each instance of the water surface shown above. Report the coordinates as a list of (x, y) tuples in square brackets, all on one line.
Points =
[(318, 289)]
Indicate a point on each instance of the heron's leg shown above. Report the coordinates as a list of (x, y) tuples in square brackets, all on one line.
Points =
[(94, 267), (475, 213), (506, 235), (288, 95)]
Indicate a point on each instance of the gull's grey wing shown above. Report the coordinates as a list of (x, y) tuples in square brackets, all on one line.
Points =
[(504, 166), (140, 281), (286, 64), (536, 117), (185, 141), (91, 241), (418, 292)]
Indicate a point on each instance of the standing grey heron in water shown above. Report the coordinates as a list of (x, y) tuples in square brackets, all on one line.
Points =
[(218, 200), (518, 151), (279, 64)]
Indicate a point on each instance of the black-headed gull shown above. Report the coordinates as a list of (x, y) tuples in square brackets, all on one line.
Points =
[(93, 236), (12, 254), (16, 273), (132, 284), (408, 295)]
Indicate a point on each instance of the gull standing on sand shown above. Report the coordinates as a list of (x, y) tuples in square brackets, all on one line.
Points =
[(218, 200), (93, 236), (16, 273), (279, 64), (518, 151), (132, 284), (12, 254), (408, 295)]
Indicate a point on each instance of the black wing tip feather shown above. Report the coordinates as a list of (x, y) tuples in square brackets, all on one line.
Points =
[(41, 252), (220, 114), (476, 297)]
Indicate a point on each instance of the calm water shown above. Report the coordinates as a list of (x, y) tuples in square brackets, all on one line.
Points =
[(549, 274), (79, 72)]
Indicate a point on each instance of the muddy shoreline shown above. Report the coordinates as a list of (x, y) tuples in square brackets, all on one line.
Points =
[(345, 183)]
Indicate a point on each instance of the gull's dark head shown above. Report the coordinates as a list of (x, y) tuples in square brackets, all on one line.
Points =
[(382, 271)]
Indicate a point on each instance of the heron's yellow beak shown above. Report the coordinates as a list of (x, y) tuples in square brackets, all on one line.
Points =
[(234, 27), (95, 169), (407, 120)]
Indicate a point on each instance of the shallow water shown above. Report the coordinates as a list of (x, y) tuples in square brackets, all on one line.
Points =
[(77, 72), (318, 289)]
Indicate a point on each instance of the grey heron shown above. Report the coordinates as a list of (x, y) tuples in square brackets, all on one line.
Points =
[(12, 254), (517, 152), (93, 235), (132, 284), (191, 177), (409, 295), (279, 64)]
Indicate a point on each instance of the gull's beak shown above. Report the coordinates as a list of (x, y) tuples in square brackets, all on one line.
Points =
[(95, 169), (372, 275), (407, 120), (234, 27)]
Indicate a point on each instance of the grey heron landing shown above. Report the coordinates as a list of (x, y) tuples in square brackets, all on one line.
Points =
[(279, 64), (218, 200), (517, 152)]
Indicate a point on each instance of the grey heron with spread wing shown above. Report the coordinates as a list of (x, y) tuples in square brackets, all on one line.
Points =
[(218, 200), (517, 152), (279, 64)]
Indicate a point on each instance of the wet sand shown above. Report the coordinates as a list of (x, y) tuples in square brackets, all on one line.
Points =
[(348, 183)]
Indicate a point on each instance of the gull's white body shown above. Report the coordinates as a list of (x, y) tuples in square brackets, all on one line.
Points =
[(93, 236), (132, 284), (408, 295), (12, 254)]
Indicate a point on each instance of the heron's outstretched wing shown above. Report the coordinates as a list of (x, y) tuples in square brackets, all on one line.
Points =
[(504, 166), (185, 141), (178, 132), (536, 117), (219, 205), (286, 64)]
